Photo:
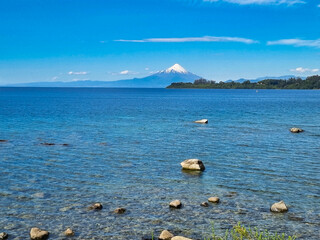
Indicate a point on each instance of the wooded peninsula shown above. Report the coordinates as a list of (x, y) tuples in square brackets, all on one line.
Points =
[(312, 82)]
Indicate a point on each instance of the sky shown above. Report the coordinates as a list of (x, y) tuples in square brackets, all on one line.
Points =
[(69, 40)]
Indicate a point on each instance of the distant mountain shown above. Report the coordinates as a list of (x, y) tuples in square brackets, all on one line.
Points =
[(161, 79), (285, 77)]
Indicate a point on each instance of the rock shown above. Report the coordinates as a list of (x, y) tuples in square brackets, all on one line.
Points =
[(3, 236), (214, 199), (48, 144), (193, 164), (202, 121), (279, 207), (69, 232), (204, 204), (296, 130), (175, 204), (3, 141), (65, 144), (165, 235), (119, 210), (38, 195), (38, 234), (231, 194), (180, 238), (96, 206)]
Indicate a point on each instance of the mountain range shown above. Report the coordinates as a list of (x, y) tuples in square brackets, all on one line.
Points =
[(161, 79), (285, 77)]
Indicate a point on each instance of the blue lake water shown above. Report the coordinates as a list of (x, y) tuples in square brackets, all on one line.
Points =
[(124, 150)]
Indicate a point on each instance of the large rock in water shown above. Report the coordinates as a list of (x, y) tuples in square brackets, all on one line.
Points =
[(69, 232), (202, 121), (214, 199), (96, 206), (166, 235), (175, 204), (204, 204), (119, 210), (279, 207), (180, 238), (193, 164), (296, 130), (38, 234)]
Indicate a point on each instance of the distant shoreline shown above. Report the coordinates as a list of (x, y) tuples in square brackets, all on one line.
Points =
[(311, 83)]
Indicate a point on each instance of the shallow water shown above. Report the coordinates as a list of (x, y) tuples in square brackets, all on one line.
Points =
[(124, 150)]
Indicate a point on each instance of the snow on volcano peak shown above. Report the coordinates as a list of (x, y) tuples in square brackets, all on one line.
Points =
[(176, 68)]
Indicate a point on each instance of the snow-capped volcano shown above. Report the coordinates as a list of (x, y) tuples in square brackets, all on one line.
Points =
[(161, 79), (175, 68)]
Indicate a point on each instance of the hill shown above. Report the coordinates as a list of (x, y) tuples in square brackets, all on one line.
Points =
[(312, 82)]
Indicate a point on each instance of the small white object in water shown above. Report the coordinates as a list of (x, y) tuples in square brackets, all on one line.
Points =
[(203, 121)]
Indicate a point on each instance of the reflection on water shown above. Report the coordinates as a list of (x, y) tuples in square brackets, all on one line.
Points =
[(190, 173), (124, 148)]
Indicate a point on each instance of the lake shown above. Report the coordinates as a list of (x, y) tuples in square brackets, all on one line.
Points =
[(123, 148)]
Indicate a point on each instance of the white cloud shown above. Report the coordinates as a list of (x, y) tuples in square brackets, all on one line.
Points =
[(304, 70), (296, 42), (260, 2), (54, 78), (193, 39), (147, 69), (124, 72), (152, 72), (77, 73)]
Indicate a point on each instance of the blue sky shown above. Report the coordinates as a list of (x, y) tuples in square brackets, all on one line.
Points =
[(66, 40)]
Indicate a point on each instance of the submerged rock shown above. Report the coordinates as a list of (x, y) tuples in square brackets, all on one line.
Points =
[(279, 207), (296, 130), (96, 206), (166, 235), (180, 238), (4, 236), (193, 164), (204, 204), (48, 144), (214, 199), (231, 194), (38, 195), (175, 204), (202, 121), (69, 232), (119, 210), (38, 234)]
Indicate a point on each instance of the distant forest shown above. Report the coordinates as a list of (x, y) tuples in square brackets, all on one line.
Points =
[(312, 82)]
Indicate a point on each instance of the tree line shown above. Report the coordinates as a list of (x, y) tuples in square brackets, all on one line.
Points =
[(312, 82)]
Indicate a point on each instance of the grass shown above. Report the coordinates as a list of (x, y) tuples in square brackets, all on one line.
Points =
[(239, 232)]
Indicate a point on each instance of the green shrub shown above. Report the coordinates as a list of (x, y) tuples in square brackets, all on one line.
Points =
[(239, 232)]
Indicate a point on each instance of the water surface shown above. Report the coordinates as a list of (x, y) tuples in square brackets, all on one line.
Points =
[(124, 150)]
